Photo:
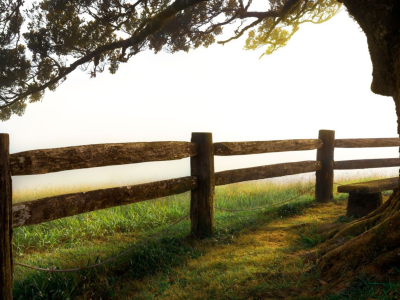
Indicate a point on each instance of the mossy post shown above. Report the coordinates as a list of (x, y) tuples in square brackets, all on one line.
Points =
[(202, 198), (6, 264), (324, 177)]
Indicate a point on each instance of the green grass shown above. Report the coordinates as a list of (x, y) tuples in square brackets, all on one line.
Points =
[(171, 265)]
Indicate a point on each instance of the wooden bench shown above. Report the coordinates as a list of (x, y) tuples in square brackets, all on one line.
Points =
[(365, 197)]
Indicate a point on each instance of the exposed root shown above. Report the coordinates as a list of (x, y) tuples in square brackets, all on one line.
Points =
[(375, 249), (370, 245), (359, 226)]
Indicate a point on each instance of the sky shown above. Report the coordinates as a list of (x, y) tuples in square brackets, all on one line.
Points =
[(320, 80)]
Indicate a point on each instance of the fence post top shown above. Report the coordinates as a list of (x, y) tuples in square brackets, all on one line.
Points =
[(327, 130), (207, 133)]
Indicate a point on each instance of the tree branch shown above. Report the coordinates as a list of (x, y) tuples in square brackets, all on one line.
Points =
[(154, 24)]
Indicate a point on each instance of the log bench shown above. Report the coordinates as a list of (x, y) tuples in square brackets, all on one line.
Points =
[(365, 197)]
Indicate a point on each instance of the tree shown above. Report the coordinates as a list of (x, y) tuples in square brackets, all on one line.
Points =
[(62, 35), (375, 248)]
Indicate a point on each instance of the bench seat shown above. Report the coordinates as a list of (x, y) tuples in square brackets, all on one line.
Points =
[(365, 197)]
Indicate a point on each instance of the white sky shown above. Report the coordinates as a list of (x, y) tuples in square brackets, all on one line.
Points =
[(321, 80)]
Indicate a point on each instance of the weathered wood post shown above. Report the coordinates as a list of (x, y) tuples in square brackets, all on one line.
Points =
[(6, 264), (324, 177), (202, 198)]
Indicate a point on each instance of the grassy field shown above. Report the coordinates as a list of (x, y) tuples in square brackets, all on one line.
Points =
[(253, 254)]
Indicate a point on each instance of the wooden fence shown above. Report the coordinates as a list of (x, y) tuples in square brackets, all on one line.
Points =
[(201, 183)]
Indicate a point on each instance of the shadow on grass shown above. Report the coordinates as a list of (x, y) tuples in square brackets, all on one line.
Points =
[(161, 254)]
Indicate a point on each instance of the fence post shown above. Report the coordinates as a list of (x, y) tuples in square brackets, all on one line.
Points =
[(6, 263), (202, 198), (324, 177)]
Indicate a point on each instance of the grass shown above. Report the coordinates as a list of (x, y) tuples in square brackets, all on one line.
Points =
[(253, 254)]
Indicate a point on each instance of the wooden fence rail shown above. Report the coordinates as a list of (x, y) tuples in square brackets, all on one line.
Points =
[(270, 171), (243, 148), (201, 183), (366, 143), (366, 163), (57, 207), (71, 158)]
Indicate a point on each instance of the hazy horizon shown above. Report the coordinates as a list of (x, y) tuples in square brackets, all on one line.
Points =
[(320, 80)]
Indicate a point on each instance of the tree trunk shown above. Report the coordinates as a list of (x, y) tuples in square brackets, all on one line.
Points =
[(371, 244)]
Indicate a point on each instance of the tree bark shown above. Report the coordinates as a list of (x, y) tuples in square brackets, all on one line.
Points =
[(375, 244), (379, 19)]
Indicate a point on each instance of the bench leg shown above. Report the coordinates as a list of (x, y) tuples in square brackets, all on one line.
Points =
[(360, 205)]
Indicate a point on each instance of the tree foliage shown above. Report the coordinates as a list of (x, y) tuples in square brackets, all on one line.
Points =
[(42, 42)]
